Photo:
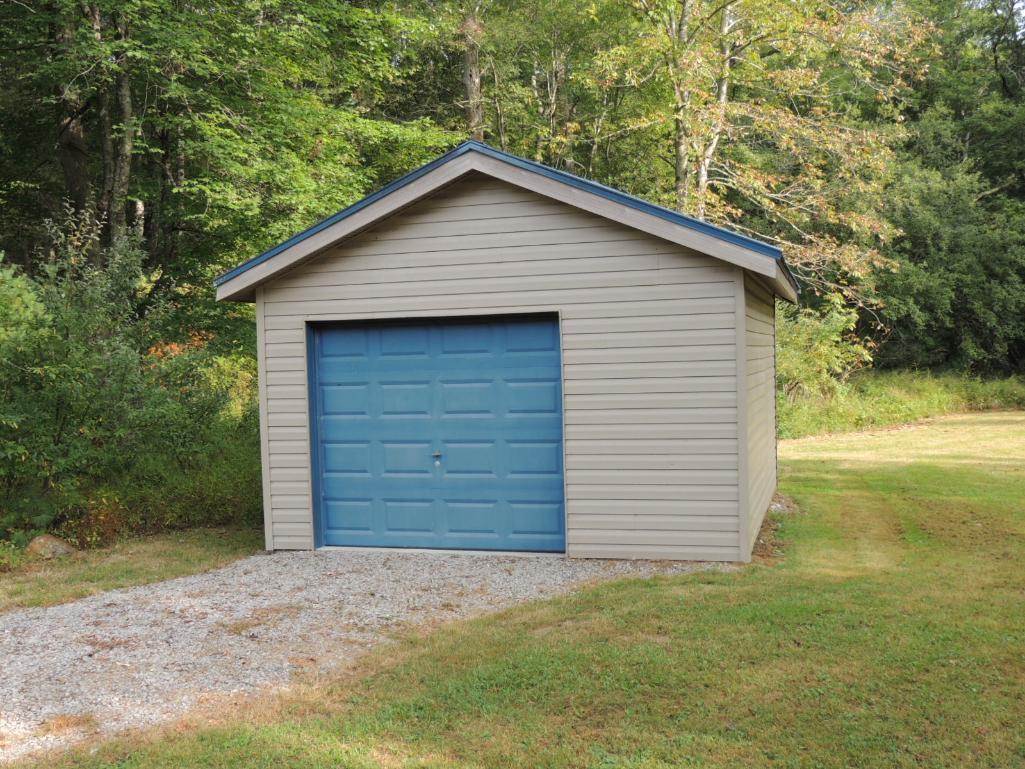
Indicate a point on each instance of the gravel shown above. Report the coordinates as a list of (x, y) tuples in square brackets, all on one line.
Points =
[(138, 656)]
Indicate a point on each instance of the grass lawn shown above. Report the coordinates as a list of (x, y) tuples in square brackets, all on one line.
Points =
[(130, 562), (891, 634)]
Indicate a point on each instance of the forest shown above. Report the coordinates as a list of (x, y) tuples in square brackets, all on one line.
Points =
[(146, 146)]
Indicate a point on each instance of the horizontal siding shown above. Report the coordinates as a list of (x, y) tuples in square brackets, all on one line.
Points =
[(651, 385), (646, 306), (649, 522), (590, 257), (593, 489), (642, 432), (655, 552), (529, 296), (649, 357), (760, 392), (669, 449), (635, 460)]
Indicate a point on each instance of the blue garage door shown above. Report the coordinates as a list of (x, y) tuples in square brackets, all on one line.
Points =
[(444, 434)]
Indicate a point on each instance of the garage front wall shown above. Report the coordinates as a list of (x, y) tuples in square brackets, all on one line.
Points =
[(649, 354)]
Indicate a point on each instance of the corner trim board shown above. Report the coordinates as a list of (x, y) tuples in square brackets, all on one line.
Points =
[(261, 376), (743, 476)]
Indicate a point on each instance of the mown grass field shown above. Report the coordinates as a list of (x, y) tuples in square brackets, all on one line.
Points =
[(134, 561), (890, 633)]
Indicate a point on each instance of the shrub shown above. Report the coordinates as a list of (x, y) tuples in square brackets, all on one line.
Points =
[(105, 426), (11, 556), (816, 349)]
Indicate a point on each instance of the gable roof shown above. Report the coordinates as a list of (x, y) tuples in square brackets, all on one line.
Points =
[(471, 156)]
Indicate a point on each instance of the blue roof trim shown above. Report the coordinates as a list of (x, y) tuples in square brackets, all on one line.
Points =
[(528, 165)]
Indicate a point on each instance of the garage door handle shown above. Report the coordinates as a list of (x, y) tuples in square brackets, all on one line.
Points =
[(436, 455)]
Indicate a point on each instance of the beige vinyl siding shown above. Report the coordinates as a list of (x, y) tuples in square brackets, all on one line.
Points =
[(649, 352), (760, 430)]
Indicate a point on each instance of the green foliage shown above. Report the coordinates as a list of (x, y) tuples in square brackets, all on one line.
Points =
[(250, 120), (957, 297), (816, 349), (882, 399), (94, 411), (11, 556)]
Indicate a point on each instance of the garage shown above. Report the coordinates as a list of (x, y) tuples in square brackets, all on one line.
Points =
[(491, 354), (439, 434)]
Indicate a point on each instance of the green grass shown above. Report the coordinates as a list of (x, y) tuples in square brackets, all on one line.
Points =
[(878, 399), (890, 634), (134, 561)]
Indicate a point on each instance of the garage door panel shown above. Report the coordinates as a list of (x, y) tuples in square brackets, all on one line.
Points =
[(346, 343), (350, 457), (470, 459), (349, 514), (473, 397), (403, 398), (541, 336), (440, 434), (473, 517), (527, 397), (531, 518), (533, 458), (405, 459), (467, 339), (409, 515), (348, 400)]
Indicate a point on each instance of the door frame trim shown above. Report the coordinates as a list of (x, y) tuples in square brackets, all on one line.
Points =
[(311, 325)]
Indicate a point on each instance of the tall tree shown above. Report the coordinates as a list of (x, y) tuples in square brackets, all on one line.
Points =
[(764, 131), (471, 29)]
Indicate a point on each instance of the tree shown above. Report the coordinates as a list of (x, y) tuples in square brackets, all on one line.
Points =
[(955, 299), (211, 129), (782, 121)]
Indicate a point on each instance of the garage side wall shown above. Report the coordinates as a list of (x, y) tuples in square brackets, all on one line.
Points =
[(649, 352), (760, 361)]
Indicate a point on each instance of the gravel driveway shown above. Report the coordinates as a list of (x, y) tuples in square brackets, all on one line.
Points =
[(142, 655)]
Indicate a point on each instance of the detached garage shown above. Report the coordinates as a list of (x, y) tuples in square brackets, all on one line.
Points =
[(491, 354)]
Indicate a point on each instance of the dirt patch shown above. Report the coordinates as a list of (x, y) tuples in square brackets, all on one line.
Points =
[(69, 722), (258, 618), (768, 546), (106, 643)]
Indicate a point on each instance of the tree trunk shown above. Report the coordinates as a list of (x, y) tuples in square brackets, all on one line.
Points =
[(72, 148), (106, 126), (73, 151), (472, 77), (721, 99), (122, 166), (107, 152), (681, 159), (139, 220), (499, 112), (681, 129)]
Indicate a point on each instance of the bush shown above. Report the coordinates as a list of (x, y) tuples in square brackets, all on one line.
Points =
[(105, 426), (816, 349), (876, 399), (11, 556)]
